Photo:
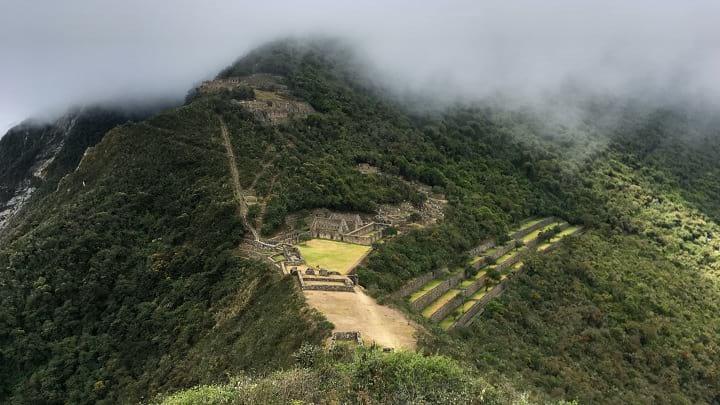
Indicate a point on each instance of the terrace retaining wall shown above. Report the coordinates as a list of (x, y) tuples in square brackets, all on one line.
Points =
[(475, 286), (485, 245), (437, 291), (502, 250), (524, 232), (447, 308), (479, 306), (416, 283), (467, 318)]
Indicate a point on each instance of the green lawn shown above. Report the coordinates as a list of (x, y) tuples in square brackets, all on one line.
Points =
[(534, 234), (427, 287), (508, 255), (427, 312), (466, 283), (482, 272), (448, 321), (528, 223), (565, 232), (332, 255)]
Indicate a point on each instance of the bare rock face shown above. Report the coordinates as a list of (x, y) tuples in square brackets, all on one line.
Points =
[(26, 151), (36, 154)]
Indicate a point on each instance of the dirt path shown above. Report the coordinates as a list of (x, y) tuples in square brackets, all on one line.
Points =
[(357, 311), (235, 176), (262, 172)]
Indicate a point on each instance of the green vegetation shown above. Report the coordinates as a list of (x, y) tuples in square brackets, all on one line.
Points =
[(332, 255), (64, 143), (125, 282), (362, 376), (427, 287), (438, 303), (607, 319)]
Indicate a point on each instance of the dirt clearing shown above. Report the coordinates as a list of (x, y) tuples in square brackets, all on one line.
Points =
[(357, 311)]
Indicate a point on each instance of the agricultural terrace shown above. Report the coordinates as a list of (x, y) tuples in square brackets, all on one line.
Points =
[(526, 236), (332, 255)]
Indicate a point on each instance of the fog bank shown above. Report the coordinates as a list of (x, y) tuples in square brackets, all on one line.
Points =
[(57, 54)]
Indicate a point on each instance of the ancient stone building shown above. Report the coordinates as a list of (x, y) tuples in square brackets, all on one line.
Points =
[(346, 228), (326, 228)]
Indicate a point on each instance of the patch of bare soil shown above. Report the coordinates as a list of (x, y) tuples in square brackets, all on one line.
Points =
[(385, 326)]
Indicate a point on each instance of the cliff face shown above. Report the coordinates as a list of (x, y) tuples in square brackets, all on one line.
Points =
[(36, 155), (26, 151)]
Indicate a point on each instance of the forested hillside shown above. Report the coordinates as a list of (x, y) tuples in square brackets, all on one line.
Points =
[(126, 282)]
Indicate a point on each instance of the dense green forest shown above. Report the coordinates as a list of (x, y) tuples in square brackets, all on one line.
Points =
[(125, 282), (123, 279)]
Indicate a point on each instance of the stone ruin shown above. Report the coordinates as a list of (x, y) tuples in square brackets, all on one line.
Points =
[(292, 255), (273, 102), (276, 111), (351, 336), (345, 228), (218, 85)]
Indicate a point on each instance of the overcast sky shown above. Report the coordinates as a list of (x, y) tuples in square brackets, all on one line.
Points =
[(54, 54)]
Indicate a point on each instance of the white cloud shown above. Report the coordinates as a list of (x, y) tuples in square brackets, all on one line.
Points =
[(55, 54)]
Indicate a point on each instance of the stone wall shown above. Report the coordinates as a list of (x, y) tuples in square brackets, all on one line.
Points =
[(365, 235), (338, 286), (352, 336), (476, 251), (524, 232), (447, 308), (467, 318), (276, 111), (511, 261), (440, 289), (416, 284), (475, 286), (326, 287), (502, 250), (362, 239)]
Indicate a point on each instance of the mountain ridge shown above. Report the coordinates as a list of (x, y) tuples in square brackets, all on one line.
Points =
[(127, 280)]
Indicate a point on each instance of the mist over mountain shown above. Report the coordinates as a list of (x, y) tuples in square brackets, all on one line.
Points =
[(84, 52), (376, 203)]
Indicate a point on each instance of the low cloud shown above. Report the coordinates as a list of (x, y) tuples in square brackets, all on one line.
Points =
[(57, 54)]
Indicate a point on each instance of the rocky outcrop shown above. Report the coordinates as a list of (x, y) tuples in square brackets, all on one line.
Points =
[(36, 155)]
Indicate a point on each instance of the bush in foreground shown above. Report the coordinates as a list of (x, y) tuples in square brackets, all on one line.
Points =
[(365, 376)]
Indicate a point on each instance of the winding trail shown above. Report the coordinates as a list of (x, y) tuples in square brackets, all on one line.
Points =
[(235, 176)]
